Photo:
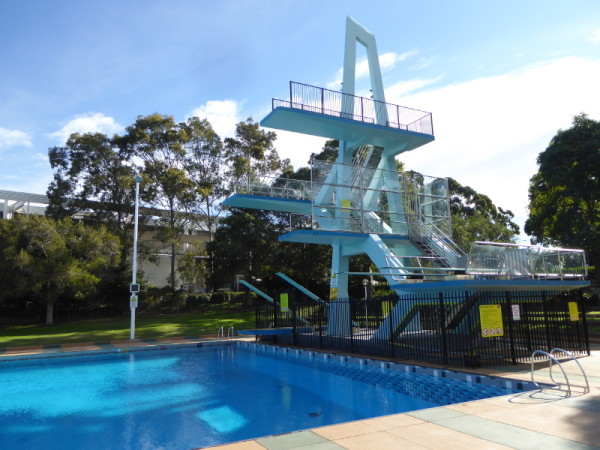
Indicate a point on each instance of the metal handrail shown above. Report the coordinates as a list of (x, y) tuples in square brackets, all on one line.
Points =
[(551, 359), (338, 104), (220, 333), (230, 332), (586, 388)]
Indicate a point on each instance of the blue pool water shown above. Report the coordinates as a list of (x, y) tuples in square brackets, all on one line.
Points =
[(196, 397)]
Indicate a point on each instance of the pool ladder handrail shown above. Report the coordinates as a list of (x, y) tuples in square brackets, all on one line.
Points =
[(551, 360), (221, 333)]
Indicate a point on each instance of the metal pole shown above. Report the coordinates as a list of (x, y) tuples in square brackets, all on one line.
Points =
[(133, 305)]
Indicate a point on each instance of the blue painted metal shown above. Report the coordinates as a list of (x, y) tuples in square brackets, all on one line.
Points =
[(301, 288), (269, 203), (258, 291), (355, 132)]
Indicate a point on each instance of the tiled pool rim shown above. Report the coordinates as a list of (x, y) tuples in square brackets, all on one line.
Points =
[(450, 374)]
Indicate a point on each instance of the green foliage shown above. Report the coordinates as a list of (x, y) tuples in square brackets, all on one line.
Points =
[(47, 259), (564, 195), (476, 218), (251, 155)]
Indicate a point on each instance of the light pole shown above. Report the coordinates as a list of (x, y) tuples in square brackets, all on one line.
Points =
[(365, 282), (134, 288)]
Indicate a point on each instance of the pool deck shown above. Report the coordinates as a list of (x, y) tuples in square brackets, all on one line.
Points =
[(524, 421)]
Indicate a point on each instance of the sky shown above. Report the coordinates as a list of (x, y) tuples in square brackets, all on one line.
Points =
[(500, 78)]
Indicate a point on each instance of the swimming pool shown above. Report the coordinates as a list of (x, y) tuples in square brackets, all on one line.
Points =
[(183, 398)]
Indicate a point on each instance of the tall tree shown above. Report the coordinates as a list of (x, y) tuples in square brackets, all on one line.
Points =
[(251, 155), (206, 168), (47, 259), (564, 195), (91, 175), (160, 143), (476, 218)]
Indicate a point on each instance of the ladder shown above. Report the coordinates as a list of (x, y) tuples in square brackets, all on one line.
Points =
[(551, 361)]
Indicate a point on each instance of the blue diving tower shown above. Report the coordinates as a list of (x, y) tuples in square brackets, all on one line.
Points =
[(361, 203)]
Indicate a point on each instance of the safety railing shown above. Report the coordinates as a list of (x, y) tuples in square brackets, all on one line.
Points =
[(362, 109), (423, 231), (526, 261), (221, 333), (279, 187)]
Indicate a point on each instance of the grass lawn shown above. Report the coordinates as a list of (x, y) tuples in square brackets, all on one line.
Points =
[(147, 327)]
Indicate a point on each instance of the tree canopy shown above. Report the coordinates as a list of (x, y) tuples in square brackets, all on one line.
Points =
[(564, 195), (476, 218), (45, 259)]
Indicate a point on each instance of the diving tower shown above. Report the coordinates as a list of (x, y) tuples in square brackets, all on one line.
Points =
[(361, 204)]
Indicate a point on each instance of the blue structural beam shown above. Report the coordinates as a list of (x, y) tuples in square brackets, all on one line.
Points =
[(355, 132), (522, 285), (269, 203), (258, 291), (301, 288)]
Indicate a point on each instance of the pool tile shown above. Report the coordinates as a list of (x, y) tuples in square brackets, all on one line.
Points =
[(292, 440), (435, 414), (394, 421), (345, 430), (245, 445), (431, 435), (509, 435), (380, 440)]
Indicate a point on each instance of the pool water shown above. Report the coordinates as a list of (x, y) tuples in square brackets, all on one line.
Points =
[(197, 397)]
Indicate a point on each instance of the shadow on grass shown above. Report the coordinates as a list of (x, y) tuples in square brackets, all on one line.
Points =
[(147, 327)]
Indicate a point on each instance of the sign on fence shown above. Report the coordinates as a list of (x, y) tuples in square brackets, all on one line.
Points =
[(491, 320), (573, 311)]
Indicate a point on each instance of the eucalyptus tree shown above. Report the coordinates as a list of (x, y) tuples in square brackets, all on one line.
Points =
[(251, 156), (159, 142), (91, 175)]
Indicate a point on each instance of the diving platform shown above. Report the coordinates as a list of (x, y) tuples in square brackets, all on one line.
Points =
[(280, 204), (487, 285), (356, 120)]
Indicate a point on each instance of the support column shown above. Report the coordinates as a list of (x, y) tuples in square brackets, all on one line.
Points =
[(339, 307)]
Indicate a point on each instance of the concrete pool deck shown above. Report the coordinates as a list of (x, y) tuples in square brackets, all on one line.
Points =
[(524, 421)]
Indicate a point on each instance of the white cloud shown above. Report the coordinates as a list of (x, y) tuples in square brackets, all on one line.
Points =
[(14, 138), (297, 147), (489, 131), (595, 37), (88, 123), (223, 115), (401, 88)]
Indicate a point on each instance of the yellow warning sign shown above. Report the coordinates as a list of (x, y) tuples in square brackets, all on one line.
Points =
[(333, 293), (284, 302), (573, 311), (346, 205), (491, 320)]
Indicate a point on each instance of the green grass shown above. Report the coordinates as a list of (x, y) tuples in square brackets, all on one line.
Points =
[(147, 327)]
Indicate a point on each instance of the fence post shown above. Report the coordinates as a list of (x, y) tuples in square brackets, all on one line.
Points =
[(292, 306), (546, 322), (511, 337), (442, 324), (584, 322)]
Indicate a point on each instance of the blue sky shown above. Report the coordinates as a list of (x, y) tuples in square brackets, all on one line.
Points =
[(499, 77)]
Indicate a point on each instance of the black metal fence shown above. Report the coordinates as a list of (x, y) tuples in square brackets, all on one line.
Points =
[(456, 329)]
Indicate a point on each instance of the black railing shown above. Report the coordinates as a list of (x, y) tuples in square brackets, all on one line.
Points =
[(338, 104), (440, 328)]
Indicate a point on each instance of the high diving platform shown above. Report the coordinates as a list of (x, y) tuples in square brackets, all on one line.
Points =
[(356, 120)]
